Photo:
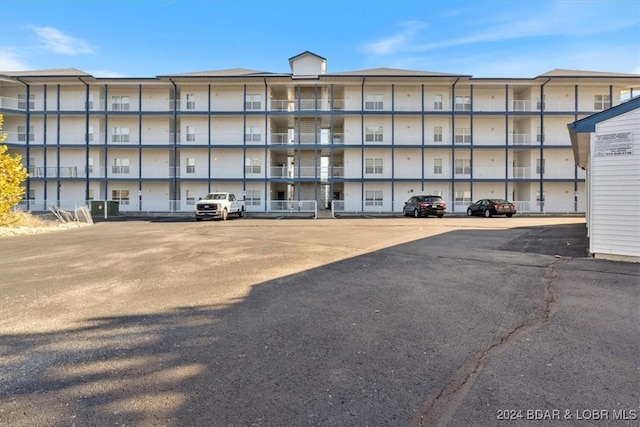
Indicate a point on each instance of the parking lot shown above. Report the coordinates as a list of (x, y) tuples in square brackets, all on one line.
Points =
[(333, 322)]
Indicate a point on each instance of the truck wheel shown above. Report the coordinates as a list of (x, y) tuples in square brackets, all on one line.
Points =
[(225, 214), (240, 213), (198, 218)]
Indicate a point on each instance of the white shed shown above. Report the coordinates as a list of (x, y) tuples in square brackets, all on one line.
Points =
[(607, 146)]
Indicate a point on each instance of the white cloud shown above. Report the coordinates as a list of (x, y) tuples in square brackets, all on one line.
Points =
[(56, 41), (399, 41), (563, 18), (10, 60)]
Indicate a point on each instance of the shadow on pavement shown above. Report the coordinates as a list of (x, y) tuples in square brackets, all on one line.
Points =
[(357, 342)]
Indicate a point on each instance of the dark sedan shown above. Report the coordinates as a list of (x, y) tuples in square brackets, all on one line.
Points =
[(490, 207), (424, 206)]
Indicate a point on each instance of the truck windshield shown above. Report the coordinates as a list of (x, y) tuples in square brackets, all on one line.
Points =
[(215, 197)]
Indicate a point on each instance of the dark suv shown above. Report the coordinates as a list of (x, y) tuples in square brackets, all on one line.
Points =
[(424, 206)]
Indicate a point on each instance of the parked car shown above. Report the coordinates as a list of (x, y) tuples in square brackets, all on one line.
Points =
[(424, 206), (490, 207)]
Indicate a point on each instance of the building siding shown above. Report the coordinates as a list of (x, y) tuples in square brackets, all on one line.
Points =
[(615, 186)]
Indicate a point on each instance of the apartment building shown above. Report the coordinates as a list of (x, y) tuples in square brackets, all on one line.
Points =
[(355, 142)]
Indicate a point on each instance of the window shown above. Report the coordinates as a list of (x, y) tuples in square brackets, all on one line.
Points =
[(191, 197), (252, 134), (373, 166), (22, 101), (191, 133), (32, 194), (437, 193), (254, 198), (540, 198), (374, 102), (89, 105), (373, 198), (90, 195), (120, 134), (463, 166), (191, 165), (540, 103), (253, 101), (90, 165), (540, 166), (22, 133), (463, 135), (121, 196), (601, 102), (437, 134), (252, 166), (120, 166), (463, 103), (463, 196), (374, 134), (539, 135), (191, 102), (437, 166), (120, 103), (90, 134), (437, 101)]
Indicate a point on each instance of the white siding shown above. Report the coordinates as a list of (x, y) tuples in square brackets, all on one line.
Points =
[(615, 192)]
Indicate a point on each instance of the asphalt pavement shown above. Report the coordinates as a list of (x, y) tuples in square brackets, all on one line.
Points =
[(337, 322)]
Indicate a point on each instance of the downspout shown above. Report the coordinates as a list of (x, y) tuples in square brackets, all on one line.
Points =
[(140, 147), (46, 134), (244, 136), (362, 166), (422, 130), (105, 141), (86, 140), (471, 143), (542, 162), (393, 145), (575, 168), (209, 140), (27, 148), (453, 145), (58, 125), (506, 143), (175, 141), (267, 137)]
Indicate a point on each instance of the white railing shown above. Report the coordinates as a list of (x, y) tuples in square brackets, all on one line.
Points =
[(53, 172), (294, 206)]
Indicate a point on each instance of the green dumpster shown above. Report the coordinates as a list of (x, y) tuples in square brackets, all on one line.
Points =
[(98, 207)]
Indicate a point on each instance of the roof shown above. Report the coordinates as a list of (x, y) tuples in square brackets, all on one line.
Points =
[(392, 72), (231, 72), (306, 53), (559, 72), (580, 130), (56, 72)]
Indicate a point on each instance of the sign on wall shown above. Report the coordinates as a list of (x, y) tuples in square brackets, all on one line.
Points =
[(613, 144)]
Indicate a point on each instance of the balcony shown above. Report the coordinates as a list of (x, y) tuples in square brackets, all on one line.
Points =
[(305, 138), (53, 172)]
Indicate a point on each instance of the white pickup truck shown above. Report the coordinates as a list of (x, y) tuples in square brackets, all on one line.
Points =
[(219, 205)]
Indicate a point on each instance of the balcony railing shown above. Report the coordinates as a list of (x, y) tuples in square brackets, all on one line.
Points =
[(53, 172)]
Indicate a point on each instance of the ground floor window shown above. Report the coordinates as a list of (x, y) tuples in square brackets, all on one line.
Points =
[(373, 198), (191, 197), (121, 196), (463, 196), (254, 198)]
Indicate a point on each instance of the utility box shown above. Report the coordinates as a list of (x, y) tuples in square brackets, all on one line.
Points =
[(98, 208)]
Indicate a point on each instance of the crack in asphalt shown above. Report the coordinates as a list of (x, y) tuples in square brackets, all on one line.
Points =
[(439, 408)]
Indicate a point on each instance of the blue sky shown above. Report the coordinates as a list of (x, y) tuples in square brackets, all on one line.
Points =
[(129, 38)]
